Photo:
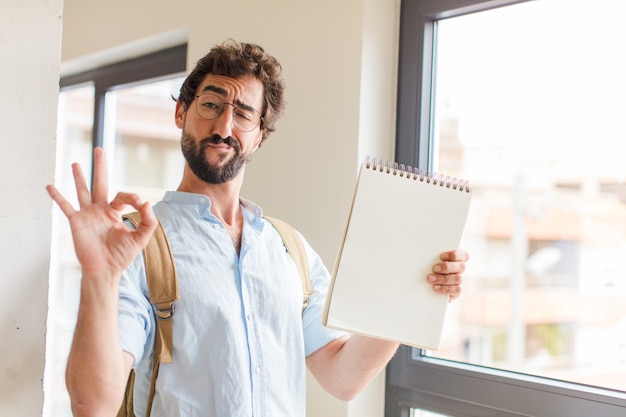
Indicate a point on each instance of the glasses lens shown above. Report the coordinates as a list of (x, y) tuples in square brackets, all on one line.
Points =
[(209, 106), (246, 120)]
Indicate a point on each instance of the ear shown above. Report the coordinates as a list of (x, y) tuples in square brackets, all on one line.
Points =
[(181, 113), (257, 142)]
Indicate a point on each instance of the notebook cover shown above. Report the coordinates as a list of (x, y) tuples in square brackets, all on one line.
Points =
[(398, 225)]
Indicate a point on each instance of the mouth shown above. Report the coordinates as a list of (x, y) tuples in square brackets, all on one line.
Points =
[(221, 146), (217, 142)]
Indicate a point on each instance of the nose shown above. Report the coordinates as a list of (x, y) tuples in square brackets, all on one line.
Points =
[(223, 125)]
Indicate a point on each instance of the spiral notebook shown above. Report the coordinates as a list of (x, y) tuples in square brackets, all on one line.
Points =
[(401, 219)]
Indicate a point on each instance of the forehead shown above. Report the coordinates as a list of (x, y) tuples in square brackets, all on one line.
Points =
[(246, 89)]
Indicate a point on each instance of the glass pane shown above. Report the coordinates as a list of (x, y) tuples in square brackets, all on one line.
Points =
[(530, 108), (142, 139), (74, 144)]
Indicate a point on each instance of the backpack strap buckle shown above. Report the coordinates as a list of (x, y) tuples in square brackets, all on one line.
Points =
[(165, 311)]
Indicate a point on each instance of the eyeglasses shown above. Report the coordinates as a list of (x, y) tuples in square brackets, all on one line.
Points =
[(210, 106)]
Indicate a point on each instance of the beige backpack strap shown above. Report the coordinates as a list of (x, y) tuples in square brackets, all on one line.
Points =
[(163, 288), (127, 409), (295, 247)]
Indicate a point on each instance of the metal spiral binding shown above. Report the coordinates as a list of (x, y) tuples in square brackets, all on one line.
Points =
[(417, 174)]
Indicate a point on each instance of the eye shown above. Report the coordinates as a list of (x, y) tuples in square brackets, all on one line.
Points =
[(211, 104), (244, 114)]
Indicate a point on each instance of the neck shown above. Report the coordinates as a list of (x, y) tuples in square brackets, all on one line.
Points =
[(230, 213), (224, 201)]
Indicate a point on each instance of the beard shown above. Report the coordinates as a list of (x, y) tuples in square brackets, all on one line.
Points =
[(195, 154)]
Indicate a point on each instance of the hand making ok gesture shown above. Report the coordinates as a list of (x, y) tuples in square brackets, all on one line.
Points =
[(104, 245)]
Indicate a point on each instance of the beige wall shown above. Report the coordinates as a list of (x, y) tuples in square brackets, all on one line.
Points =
[(30, 41), (339, 61)]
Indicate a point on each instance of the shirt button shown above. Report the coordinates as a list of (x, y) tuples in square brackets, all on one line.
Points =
[(249, 316), (201, 199), (257, 370)]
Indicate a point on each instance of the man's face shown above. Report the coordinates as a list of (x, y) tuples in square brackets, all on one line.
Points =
[(216, 150)]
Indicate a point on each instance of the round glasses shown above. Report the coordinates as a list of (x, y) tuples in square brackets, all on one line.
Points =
[(210, 106)]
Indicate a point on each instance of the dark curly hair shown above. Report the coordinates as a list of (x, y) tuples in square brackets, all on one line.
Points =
[(236, 59)]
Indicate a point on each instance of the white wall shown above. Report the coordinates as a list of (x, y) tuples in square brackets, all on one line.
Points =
[(30, 41), (339, 62)]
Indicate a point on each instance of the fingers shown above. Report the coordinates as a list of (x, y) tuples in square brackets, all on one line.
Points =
[(455, 255), (447, 276), (445, 279), (452, 290), (148, 219), (99, 197), (63, 204), (100, 177), (446, 284), (122, 200), (449, 267), (148, 223), (82, 189)]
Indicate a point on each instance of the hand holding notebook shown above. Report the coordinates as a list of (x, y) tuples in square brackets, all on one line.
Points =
[(400, 221)]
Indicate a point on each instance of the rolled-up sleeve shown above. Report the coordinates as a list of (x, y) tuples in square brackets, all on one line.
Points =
[(316, 335), (136, 317)]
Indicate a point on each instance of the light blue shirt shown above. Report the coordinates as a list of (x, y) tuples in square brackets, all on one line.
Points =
[(240, 339)]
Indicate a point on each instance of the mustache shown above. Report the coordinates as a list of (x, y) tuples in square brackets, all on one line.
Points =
[(217, 139)]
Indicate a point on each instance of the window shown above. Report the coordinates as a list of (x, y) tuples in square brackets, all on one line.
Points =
[(524, 100), (142, 140), (128, 109)]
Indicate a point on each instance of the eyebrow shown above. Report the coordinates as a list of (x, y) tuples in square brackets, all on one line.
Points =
[(223, 92)]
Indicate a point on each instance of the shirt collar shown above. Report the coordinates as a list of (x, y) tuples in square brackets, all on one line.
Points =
[(204, 202)]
